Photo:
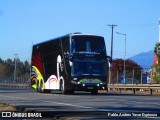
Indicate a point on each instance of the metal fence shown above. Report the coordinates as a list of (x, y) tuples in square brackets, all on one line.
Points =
[(17, 80), (132, 77), (21, 82)]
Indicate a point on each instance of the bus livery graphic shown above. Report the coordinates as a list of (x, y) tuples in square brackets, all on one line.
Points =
[(37, 70), (37, 61), (90, 81), (51, 82)]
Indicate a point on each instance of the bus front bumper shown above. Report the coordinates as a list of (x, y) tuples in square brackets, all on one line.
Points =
[(89, 86)]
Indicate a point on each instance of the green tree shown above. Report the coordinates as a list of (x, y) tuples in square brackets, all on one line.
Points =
[(2, 71), (157, 49), (1, 61), (27, 66), (156, 72), (9, 67)]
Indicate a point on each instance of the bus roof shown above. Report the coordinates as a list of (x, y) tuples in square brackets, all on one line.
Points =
[(78, 33), (70, 34)]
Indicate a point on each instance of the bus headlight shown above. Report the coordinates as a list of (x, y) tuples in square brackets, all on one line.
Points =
[(70, 63)]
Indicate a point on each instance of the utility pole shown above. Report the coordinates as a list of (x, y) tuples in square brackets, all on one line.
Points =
[(112, 26), (15, 59), (124, 72)]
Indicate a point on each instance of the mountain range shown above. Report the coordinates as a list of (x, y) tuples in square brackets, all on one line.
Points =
[(144, 59)]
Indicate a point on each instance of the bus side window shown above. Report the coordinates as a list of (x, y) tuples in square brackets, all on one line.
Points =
[(65, 44), (73, 45)]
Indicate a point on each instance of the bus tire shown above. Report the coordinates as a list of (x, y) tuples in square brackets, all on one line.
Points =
[(62, 87), (41, 87), (37, 86), (94, 92), (47, 91), (71, 92), (42, 90)]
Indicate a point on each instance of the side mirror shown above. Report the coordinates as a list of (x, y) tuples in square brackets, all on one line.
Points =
[(109, 59), (66, 53)]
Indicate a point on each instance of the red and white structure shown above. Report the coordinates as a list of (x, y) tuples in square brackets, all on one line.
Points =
[(156, 57), (159, 29)]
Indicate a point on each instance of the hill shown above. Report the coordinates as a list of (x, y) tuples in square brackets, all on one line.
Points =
[(145, 59)]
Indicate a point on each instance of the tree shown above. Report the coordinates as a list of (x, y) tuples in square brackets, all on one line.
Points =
[(2, 71), (7, 68), (130, 67), (27, 66), (157, 49), (1, 61), (156, 66)]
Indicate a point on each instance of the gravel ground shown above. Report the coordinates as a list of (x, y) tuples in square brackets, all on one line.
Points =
[(6, 107)]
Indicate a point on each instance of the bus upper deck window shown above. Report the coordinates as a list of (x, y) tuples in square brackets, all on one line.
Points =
[(73, 45)]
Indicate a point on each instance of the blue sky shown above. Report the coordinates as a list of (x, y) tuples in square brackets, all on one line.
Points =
[(26, 22)]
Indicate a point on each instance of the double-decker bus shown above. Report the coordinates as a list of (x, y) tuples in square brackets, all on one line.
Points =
[(73, 62)]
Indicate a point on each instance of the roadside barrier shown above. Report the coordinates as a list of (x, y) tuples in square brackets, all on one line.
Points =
[(134, 87), (18, 85), (119, 87)]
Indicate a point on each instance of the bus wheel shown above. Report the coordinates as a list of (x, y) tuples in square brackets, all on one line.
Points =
[(62, 86), (41, 88), (94, 92), (37, 87), (47, 91), (71, 92)]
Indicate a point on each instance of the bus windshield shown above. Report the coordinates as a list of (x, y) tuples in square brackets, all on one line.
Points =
[(88, 44), (82, 67)]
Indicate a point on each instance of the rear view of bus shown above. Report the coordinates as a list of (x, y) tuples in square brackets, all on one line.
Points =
[(89, 63)]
